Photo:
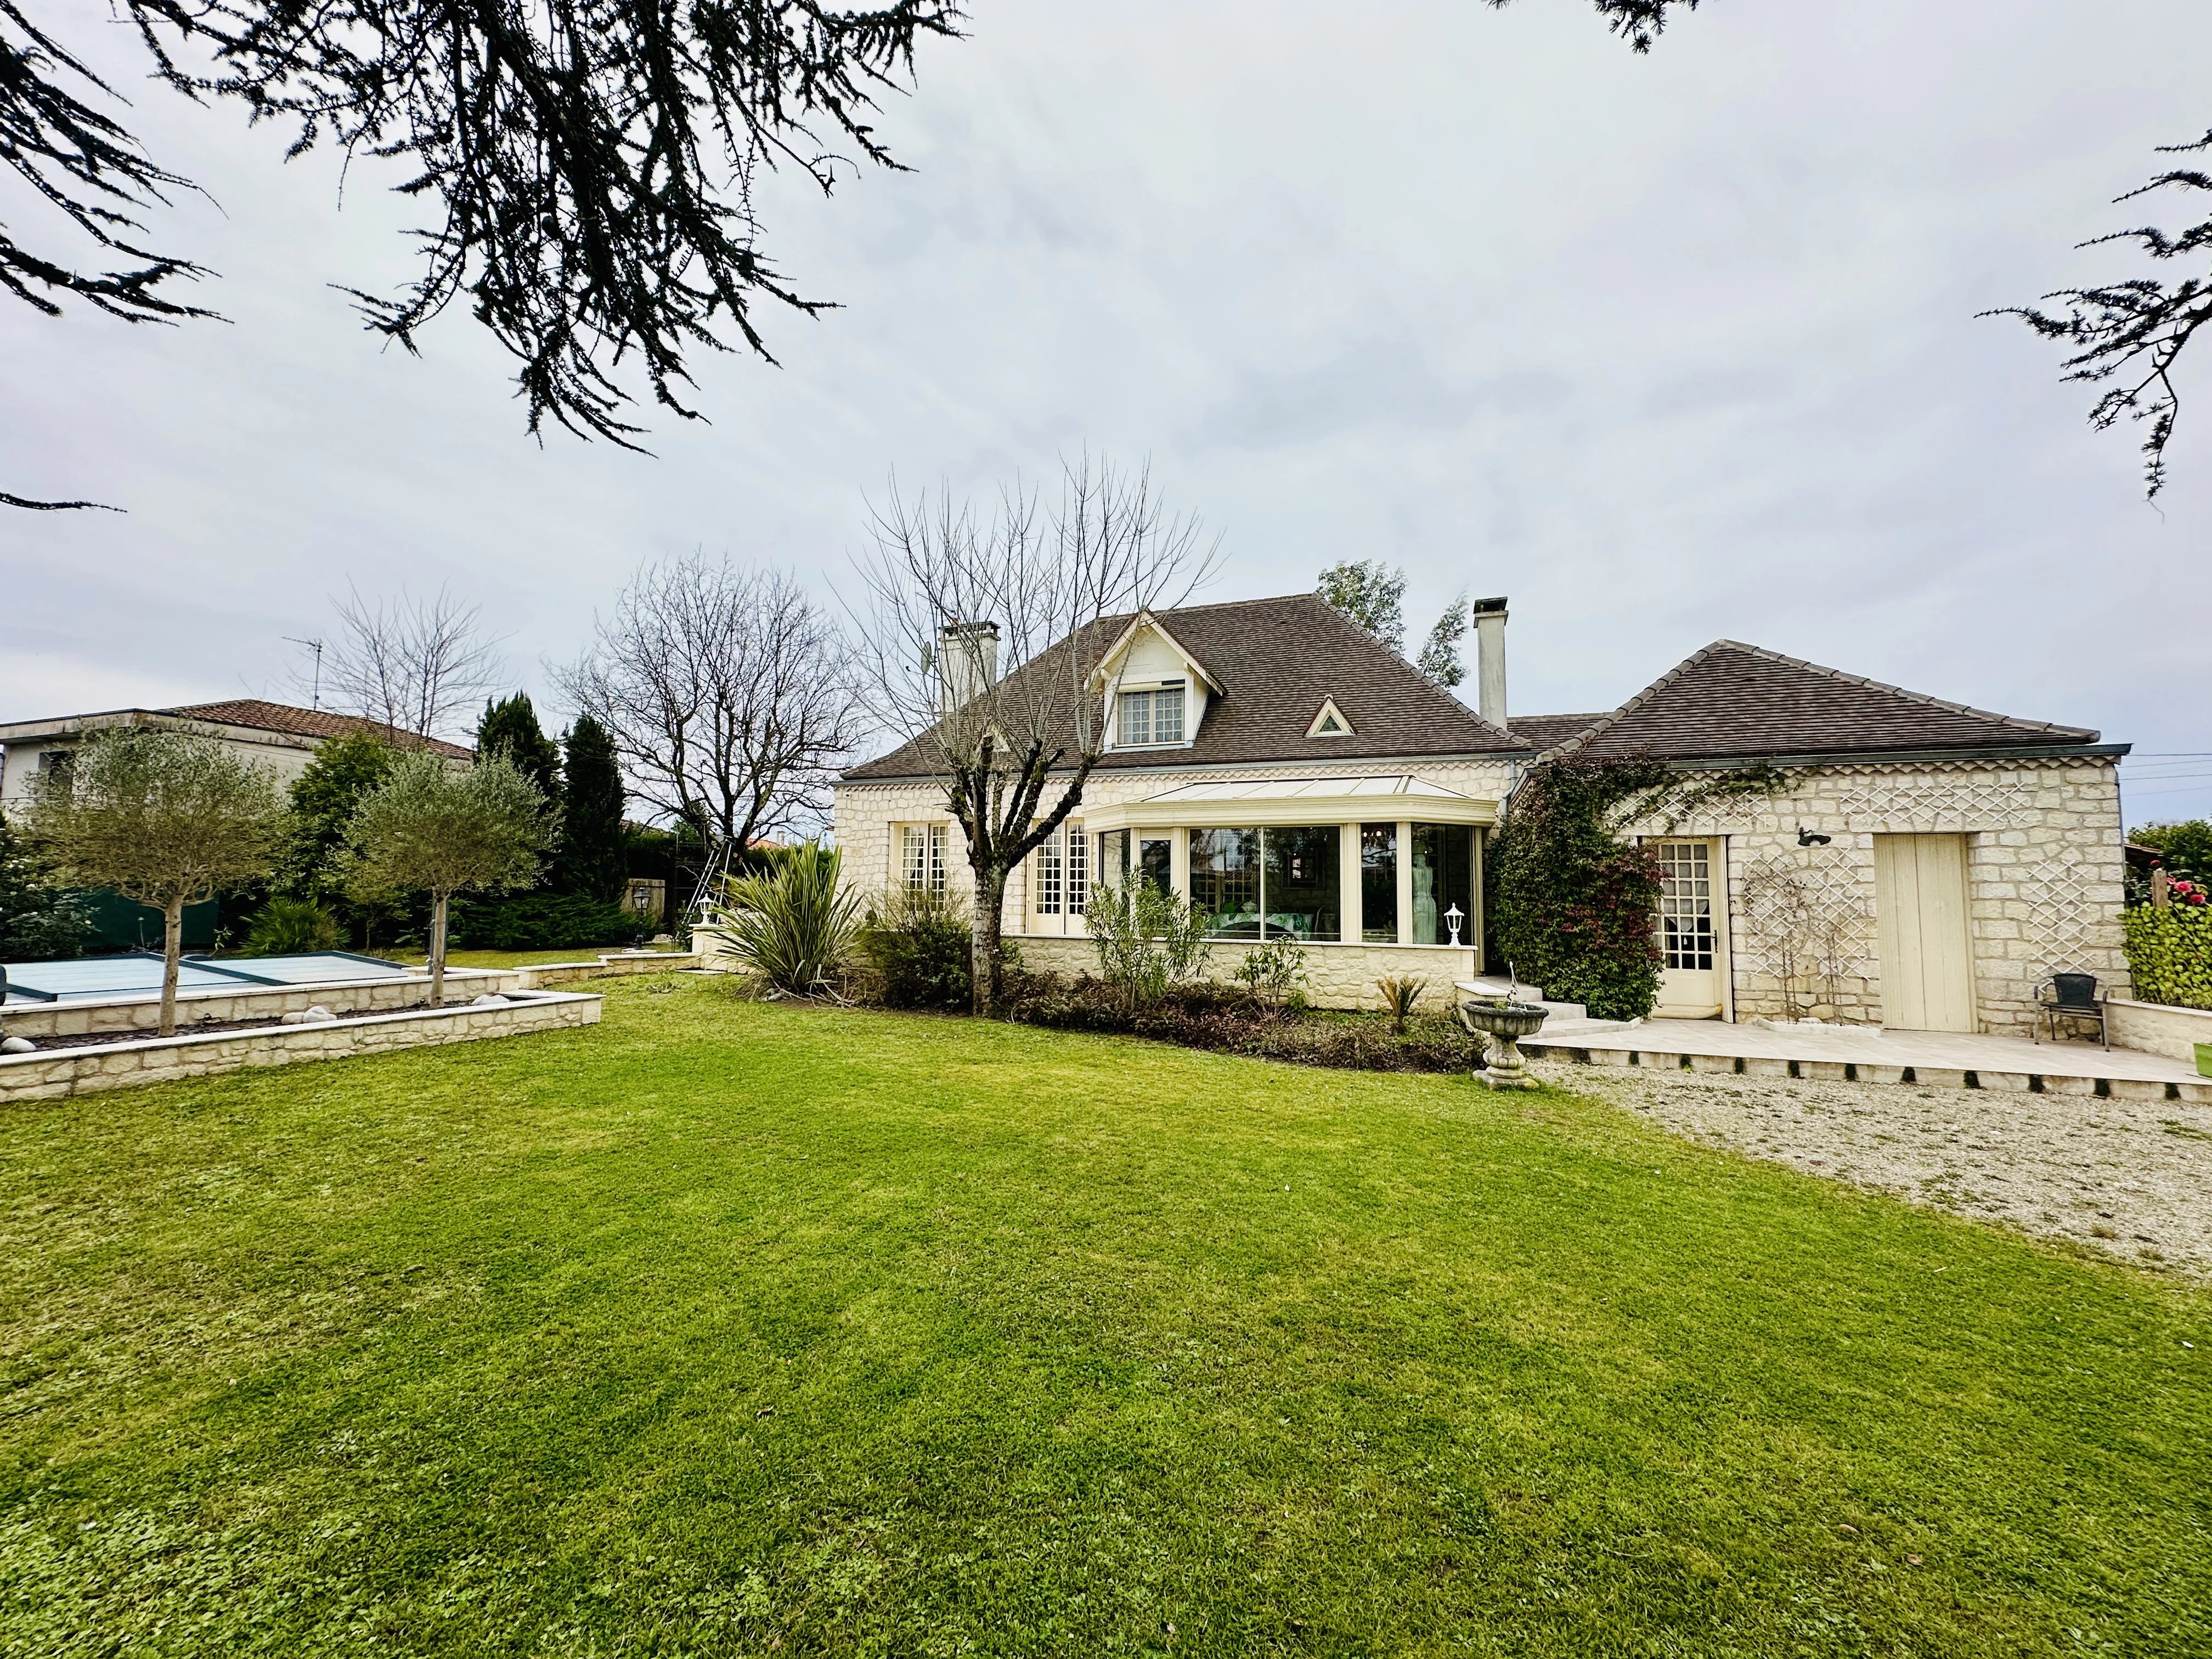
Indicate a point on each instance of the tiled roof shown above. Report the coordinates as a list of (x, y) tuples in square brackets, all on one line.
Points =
[(1549, 730), (1732, 701), (1275, 659), (260, 716)]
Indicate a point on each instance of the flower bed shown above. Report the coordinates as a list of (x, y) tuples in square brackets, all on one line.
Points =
[(1227, 1021)]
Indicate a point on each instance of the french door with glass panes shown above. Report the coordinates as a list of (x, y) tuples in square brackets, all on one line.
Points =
[(1059, 882), (1693, 920)]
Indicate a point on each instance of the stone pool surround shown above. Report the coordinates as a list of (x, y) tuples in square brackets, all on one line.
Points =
[(51, 1074)]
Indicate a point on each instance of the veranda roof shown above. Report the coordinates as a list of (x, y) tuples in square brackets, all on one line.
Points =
[(1243, 802)]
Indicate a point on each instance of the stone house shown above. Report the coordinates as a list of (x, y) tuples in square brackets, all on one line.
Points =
[(1920, 864), (275, 736)]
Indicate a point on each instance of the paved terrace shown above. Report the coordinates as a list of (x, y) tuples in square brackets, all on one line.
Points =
[(1859, 1053)]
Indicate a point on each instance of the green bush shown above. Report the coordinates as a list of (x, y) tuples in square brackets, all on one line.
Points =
[(1149, 942), (284, 928), (920, 946), (38, 921), (792, 927), (2169, 954), (1273, 971), (544, 921), (2185, 849)]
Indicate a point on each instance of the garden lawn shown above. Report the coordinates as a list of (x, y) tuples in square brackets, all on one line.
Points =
[(729, 1328)]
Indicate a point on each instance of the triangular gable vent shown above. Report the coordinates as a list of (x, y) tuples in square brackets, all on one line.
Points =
[(1330, 722)]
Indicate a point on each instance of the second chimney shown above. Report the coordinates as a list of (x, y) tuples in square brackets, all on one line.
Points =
[(1490, 659)]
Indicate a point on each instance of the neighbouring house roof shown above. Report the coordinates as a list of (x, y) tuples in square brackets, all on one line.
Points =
[(307, 722), (250, 713), (1273, 662), (1736, 702)]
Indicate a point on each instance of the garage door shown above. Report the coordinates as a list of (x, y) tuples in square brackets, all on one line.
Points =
[(1925, 933)]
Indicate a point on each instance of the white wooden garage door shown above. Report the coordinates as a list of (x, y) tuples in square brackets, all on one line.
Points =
[(1925, 933)]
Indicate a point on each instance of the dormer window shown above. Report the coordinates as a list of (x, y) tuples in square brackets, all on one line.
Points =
[(1147, 718)]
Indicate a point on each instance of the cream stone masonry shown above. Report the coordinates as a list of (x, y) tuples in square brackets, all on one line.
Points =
[(2045, 875), (160, 1059)]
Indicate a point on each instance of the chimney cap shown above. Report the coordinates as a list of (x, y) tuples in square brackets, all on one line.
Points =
[(967, 629), (1484, 607)]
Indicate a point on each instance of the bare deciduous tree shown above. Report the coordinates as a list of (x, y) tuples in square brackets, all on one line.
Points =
[(413, 666), (729, 695), (982, 638)]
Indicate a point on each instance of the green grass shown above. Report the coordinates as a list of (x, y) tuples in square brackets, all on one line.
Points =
[(727, 1328)]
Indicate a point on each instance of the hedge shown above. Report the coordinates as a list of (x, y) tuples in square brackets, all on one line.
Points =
[(2169, 954)]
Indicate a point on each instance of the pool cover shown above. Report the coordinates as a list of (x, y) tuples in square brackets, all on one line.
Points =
[(139, 973)]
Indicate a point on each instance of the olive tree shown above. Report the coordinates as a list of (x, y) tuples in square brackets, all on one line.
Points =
[(430, 830), (168, 818)]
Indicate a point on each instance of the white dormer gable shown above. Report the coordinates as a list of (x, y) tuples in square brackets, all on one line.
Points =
[(1329, 721), (1146, 661)]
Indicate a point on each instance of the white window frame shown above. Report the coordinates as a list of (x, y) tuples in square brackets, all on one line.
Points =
[(1122, 705), (1061, 871), (921, 863)]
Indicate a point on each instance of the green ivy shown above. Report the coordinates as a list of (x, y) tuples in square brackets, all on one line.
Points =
[(2169, 954), (1575, 904)]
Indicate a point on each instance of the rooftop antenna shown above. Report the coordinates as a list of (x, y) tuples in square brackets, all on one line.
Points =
[(315, 645)]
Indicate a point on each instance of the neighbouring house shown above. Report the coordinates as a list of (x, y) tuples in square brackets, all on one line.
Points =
[(275, 736), (1923, 864)]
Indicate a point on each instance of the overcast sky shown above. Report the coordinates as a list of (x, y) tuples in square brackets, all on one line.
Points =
[(1667, 349)]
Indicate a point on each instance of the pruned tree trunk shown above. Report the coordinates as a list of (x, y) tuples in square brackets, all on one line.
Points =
[(987, 968), (172, 950), (438, 950)]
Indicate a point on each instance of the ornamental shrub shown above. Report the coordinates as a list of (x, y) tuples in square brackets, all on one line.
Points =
[(1576, 902), (792, 927), (285, 927), (920, 944), (2169, 954)]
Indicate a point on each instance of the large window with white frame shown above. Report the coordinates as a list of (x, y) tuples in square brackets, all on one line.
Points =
[(921, 857), (1147, 719), (1063, 866)]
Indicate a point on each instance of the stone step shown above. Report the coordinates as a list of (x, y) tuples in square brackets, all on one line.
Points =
[(1529, 994)]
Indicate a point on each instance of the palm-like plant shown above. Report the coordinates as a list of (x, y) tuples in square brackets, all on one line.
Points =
[(792, 927), (1400, 994)]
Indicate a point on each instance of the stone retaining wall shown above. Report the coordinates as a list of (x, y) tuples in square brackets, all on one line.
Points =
[(616, 965), (158, 1060), (1662, 1060), (2157, 1028), (85, 1017)]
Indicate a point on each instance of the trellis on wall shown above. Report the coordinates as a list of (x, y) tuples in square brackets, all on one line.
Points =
[(1808, 924)]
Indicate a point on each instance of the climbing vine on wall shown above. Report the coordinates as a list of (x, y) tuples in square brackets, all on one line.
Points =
[(1574, 902)]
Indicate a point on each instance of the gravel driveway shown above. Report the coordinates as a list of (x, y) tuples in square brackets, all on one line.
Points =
[(2131, 1178)]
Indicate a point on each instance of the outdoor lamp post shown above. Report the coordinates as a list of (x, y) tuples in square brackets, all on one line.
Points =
[(1455, 917)]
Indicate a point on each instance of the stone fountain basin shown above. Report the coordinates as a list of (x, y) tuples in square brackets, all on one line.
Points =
[(1509, 1019)]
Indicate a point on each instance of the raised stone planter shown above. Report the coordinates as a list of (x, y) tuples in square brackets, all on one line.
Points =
[(2158, 1028), (49, 1075)]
